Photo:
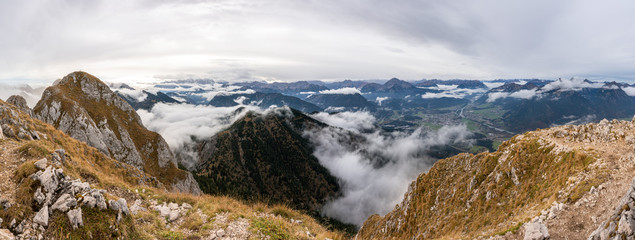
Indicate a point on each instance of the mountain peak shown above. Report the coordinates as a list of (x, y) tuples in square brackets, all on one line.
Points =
[(85, 108), (264, 156), (395, 84)]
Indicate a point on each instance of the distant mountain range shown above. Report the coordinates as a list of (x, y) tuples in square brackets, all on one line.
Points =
[(530, 106), (498, 108), (264, 100), (460, 83), (342, 102)]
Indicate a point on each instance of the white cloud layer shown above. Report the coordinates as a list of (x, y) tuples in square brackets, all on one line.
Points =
[(629, 91), (346, 90), (491, 85), (182, 124), (379, 100), (573, 84), (450, 91), (521, 94), (352, 121), (139, 95), (368, 189), (178, 123), (31, 95)]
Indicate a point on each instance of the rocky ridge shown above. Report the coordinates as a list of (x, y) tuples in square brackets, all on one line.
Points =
[(264, 157), (86, 109), (554, 183), (80, 173)]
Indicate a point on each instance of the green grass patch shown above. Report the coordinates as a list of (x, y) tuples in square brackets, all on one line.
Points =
[(271, 228), (33, 150), (512, 229), (171, 235), (477, 149), (281, 212), (432, 126), (496, 144), (471, 125)]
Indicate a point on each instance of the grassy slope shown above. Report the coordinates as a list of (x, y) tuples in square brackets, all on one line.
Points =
[(90, 165), (466, 196)]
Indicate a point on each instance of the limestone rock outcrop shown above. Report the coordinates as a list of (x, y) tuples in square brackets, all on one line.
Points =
[(621, 225), (536, 230), (20, 102), (56, 192), (85, 108)]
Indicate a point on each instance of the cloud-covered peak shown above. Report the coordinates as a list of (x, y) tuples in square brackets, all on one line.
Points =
[(574, 84)]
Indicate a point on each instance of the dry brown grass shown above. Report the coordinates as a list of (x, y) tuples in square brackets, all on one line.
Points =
[(443, 194), (90, 165)]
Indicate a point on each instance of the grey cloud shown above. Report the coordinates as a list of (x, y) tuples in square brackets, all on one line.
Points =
[(30, 94), (292, 40), (181, 124), (368, 188)]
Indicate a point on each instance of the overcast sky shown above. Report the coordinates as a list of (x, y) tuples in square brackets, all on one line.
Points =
[(323, 39)]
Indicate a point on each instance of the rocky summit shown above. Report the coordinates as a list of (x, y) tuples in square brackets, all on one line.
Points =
[(85, 108)]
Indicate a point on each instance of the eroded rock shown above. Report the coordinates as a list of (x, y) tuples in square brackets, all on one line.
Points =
[(621, 224), (41, 164), (42, 217), (75, 217), (5, 234), (536, 230)]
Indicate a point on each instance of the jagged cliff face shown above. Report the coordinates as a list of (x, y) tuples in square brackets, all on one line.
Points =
[(86, 109), (264, 157), (560, 183)]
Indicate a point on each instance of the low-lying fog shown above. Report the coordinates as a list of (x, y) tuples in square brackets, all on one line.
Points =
[(367, 188)]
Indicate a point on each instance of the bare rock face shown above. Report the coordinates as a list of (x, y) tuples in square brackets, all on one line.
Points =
[(536, 230), (42, 217), (5, 234), (20, 102), (187, 185), (621, 225), (14, 127), (73, 106), (86, 109), (75, 217)]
